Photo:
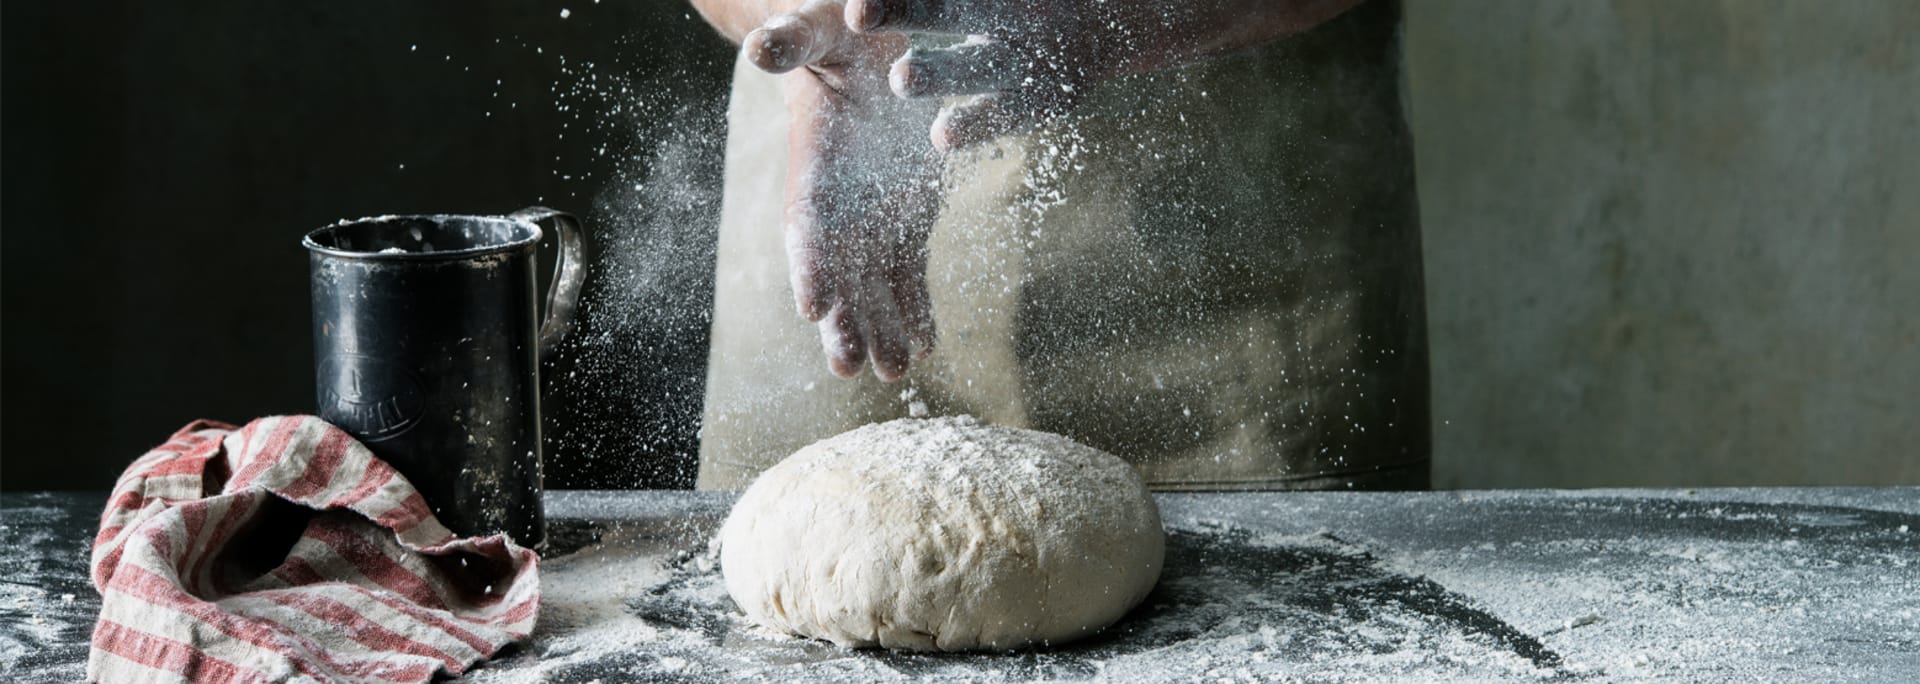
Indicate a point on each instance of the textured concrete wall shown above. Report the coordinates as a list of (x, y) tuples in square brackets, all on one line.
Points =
[(1671, 242)]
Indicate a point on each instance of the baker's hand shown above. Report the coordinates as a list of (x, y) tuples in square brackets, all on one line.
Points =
[(1030, 60), (862, 189)]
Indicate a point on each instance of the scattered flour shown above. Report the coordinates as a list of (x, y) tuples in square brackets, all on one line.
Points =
[(1232, 606), (1761, 585)]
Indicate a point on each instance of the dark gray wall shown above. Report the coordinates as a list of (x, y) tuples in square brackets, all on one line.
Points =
[(1670, 242), (161, 161)]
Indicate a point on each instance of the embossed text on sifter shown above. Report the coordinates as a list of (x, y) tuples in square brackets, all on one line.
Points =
[(428, 347)]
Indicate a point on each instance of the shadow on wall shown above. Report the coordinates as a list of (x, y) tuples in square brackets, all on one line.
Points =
[(163, 160)]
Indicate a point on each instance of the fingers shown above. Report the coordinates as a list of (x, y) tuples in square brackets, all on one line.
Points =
[(887, 338), (811, 266), (880, 312), (790, 41), (896, 305), (840, 337), (956, 127), (970, 68), (810, 270), (924, 16), (915, 304), (981, 119), (905, 274), (865, 323), (970, 123)]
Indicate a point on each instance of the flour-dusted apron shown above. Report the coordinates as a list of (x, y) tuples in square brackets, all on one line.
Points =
[(1212, 272)]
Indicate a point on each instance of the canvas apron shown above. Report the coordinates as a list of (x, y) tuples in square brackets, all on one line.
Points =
[(1212, 272)]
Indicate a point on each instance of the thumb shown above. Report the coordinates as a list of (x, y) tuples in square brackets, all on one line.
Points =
[(805, 36)]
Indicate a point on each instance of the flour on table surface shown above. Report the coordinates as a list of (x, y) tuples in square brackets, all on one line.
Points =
[(1488, 586), (47, 607), (1232, 605), (1778, 585), (1708, 589)]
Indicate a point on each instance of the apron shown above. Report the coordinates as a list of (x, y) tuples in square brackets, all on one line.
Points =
[(1212, 272)]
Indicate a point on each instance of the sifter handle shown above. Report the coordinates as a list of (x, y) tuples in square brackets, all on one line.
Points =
[(569, 273)]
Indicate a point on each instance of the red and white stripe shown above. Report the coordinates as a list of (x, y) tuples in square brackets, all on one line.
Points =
[(370, 590)]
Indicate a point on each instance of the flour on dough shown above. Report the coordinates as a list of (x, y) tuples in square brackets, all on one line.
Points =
[(943, 534)]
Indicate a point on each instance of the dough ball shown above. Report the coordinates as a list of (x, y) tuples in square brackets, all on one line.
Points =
[(943, 534)]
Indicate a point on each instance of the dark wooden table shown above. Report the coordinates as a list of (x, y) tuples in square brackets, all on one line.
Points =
[(1751, 584)]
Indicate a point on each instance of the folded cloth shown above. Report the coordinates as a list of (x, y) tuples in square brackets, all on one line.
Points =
[(285, 551)]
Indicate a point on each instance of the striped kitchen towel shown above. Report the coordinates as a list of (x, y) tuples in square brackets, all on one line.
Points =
[(285, 551)]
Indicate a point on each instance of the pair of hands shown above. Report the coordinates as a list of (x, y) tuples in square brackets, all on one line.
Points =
[(863, 187)]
